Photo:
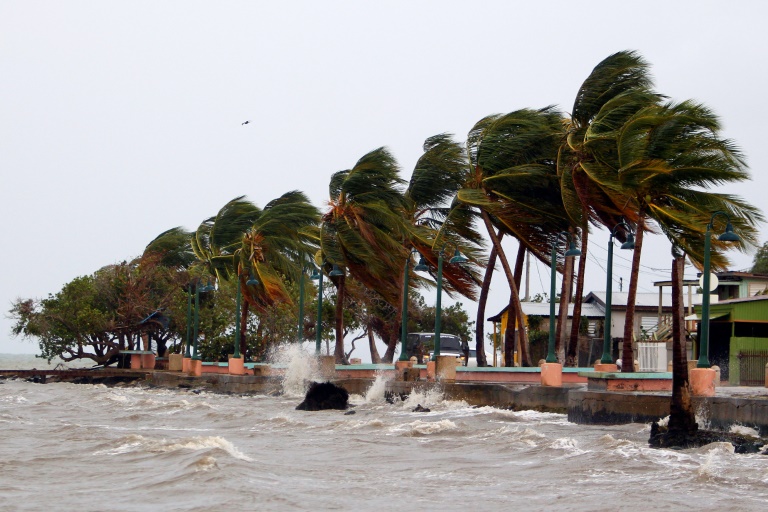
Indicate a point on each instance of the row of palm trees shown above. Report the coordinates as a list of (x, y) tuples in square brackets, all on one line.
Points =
[(624, 153)]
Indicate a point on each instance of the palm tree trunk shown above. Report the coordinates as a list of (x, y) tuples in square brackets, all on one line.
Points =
[(509, 337), (524, 352), (562, 317), (375, 358), (571, 358), (482, 360), (339, 318), (627, 356), (682, 420)]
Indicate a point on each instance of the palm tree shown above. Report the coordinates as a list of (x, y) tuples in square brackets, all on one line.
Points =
[(615, 89), (513, 186), (432, 222), (669, 155), (274, 251), (244, 241), (363, 230), (173, 247)]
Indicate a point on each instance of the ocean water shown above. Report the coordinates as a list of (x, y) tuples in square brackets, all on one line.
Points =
[(95, 448)]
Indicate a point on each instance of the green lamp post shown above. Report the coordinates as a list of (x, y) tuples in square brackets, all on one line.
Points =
[(404, 317), (187, 353), (728, 236), (572, 251), (300, 329), (457, 258), (317, 275), (205, 289), (630, 245)]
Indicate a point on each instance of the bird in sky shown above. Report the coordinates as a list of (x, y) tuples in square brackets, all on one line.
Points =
[(246, 122)]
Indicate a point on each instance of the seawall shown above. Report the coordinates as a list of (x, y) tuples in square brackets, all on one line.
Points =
[(581, 405)]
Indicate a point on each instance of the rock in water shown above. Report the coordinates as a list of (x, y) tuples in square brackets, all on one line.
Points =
[(324, 395)]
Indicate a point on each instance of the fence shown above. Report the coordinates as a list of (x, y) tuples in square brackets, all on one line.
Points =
[(652, 356), (752, 367)]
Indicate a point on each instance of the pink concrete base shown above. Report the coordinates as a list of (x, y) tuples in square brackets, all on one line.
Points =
[(702, 381), (148, 361), (445, 368), (185, 364), (175, 362), (431, 370), (604, 367), (135, 361), (327, 366), (196, 367), (236, 366), (551, 374), (399, 365)]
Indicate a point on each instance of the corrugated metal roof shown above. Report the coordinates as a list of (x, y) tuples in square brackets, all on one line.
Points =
[(641, 299)]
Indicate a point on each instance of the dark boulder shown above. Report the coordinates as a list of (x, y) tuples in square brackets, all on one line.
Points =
[(324, 395), (661, 437)]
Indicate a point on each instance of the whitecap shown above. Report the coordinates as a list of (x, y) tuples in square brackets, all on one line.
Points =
[(744, 431), (206, 463), (425, 428)]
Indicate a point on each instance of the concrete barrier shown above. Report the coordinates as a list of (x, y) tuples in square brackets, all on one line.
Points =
[(445, 368), (175, 362)]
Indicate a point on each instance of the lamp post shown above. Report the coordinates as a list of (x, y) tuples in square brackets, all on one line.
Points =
[(300, 331), (572, 251), (629, 244), (187, 354), (317, 275), (204, 289), (457, 258), (404, 317), (236, 353), (728, 236)]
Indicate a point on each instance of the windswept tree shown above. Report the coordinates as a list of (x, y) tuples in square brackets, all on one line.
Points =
[(363, 229), (435, 222), (513, 187), (670, 155), (617, 88)]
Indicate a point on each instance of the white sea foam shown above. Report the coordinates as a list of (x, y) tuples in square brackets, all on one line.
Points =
[(206, 463), (425, 428), (424, 397), (568, 445), (136, 442), (376, 393), (300, 368), (744, 431)]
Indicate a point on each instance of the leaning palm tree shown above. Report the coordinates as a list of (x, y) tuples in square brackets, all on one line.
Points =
[(616, 88), (669, 155), (363, 229), (173, 247), (512, 157), (274, 250), (433, 222)]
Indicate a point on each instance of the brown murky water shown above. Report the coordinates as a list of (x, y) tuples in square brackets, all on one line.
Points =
[(93, 448)]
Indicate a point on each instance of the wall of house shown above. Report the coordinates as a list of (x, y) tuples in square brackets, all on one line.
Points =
[(737, 345)]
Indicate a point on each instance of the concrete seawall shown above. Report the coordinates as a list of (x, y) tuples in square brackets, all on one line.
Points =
[(581, 405)]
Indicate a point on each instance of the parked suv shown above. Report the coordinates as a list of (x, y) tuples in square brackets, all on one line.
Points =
[(421, 344)]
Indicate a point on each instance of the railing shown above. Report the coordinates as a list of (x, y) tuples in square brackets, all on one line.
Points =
[(752, 367)]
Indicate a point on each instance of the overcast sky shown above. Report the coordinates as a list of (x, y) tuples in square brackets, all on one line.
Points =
[(119, 120)]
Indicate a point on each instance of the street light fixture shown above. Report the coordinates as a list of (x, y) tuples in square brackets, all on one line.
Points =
[(198, 290), (728, 236), (300, 328), (457, 258), (572, 251), (404, 318), (187, 353), (317, 275), (628, 245)]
